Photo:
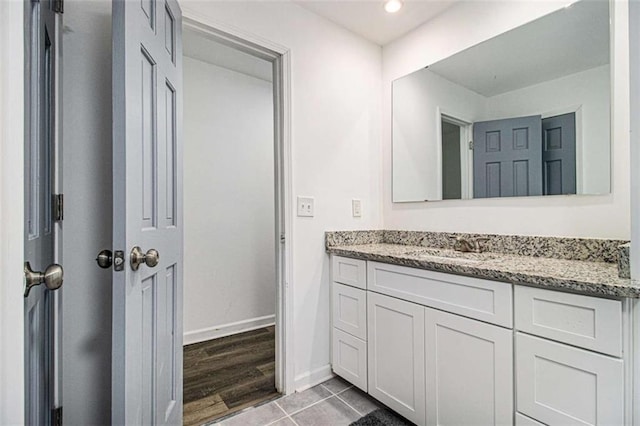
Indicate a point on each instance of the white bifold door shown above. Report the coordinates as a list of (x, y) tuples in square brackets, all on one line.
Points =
[(147, 213)]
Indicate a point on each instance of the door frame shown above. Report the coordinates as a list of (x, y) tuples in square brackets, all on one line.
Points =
[(12, 134), (280, 57)]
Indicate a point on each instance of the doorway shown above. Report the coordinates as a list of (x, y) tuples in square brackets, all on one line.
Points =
[(455, 155), (233, 226)]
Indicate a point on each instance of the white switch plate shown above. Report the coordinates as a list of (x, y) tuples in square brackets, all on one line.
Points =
[(356, 208), (305, 206)]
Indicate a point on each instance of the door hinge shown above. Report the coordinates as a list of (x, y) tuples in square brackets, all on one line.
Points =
[(58, 207), (56, 416), (58, 6), (471, 145), (282, 238)]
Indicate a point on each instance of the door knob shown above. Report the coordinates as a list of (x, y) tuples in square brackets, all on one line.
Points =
[(137, 257), (51, 278)]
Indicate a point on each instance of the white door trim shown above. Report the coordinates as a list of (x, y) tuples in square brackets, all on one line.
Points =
[(633, 332), (12, 19), (280, 56)]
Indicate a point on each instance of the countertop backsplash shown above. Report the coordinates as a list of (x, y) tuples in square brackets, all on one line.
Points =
[(584, 249)]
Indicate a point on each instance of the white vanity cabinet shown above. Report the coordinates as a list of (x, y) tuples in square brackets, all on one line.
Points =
[(444, 349), (349, 320), (561, 380)]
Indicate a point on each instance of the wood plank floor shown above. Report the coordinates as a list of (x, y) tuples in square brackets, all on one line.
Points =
[(225, 375)]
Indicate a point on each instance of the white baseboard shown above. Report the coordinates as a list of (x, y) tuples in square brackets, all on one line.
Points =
[(227, 329), (314, 377)]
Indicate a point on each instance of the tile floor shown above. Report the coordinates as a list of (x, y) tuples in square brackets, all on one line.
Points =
[(334, 402)]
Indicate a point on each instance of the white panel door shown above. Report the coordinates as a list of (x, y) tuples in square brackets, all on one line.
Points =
[(562, 385), (469, 371), (147, 212), (396, 355)]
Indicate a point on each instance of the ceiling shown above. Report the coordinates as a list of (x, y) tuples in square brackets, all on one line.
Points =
[(368, 18), (568, 41), (196, 45)]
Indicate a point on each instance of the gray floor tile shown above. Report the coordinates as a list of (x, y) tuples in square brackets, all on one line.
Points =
[(259, 416), (359, 401), (329, 412), (300, 400), (283, 422), (336, 385)]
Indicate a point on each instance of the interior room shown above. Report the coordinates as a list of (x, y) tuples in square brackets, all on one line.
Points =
[(229, 303), (309, 212)]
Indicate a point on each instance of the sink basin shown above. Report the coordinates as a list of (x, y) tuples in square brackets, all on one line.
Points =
[(450, 255)]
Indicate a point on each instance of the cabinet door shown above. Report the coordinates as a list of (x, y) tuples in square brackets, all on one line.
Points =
[(469, 366), (349, 310), (562, 385), (349, 358), (396, 355)]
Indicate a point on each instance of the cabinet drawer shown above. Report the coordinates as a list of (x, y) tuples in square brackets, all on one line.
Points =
[(349, 310), (348, 271), (584, 321), (349, 358), (484, 300), (562, 385)]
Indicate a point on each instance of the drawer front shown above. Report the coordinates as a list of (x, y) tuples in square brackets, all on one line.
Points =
[(588, 322), (349, 358), (526, 421), (562, 385), (348, 271), (349, 310), (484, 300)]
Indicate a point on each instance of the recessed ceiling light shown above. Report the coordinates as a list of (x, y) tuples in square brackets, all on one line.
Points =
[(392, 6)]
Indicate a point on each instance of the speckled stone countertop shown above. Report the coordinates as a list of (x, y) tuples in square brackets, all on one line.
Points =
[(592, 274)]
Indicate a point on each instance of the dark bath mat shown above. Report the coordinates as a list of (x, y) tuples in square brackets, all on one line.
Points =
[(382, 417)]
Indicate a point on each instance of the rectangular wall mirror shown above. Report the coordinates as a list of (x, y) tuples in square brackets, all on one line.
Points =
[(526, 113)]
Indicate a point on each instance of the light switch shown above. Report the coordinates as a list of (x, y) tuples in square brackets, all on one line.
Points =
[(356, 208), (305, 206)]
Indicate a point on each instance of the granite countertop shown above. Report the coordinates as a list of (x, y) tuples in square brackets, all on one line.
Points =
[(598, 278)]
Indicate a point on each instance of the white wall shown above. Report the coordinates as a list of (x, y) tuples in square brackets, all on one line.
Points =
[(336, 149), (417, 98), (229, 206), (87, 176), (590, 91), (458, 28)]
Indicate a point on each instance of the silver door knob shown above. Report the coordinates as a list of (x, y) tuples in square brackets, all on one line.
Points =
[(52, 277), (137, 257)]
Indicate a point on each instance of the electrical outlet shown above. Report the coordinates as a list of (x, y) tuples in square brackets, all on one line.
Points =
[(305, 206), (356, 208)]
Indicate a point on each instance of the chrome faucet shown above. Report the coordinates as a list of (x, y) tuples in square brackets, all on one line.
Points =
[(469, 245)]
